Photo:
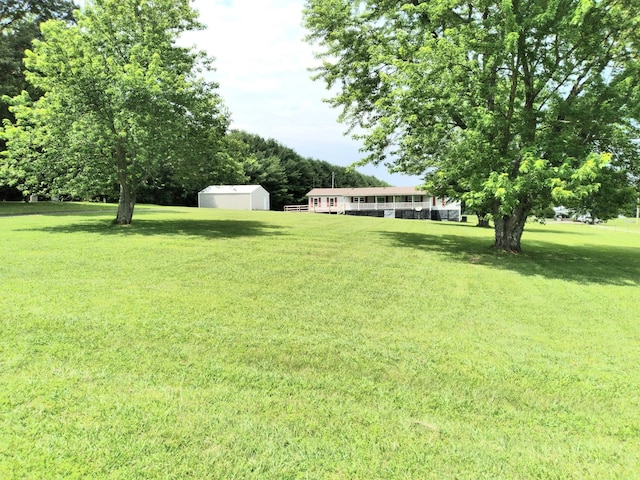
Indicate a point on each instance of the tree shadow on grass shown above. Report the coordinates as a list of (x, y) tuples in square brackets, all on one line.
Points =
[(581, 263), (182, 227), (531, 227), (543, 228)]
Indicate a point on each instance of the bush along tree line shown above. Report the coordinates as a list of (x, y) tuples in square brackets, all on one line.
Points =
[(510, 106), (107, 106)]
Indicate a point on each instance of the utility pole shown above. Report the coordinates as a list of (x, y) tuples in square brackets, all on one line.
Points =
[(333, 180)]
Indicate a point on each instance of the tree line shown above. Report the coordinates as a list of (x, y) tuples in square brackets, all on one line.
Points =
[(106, 105), (284, 173)]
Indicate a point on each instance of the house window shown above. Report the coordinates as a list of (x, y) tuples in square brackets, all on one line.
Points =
[(315, 202), (381, 199), (358, 200), (331, 202)]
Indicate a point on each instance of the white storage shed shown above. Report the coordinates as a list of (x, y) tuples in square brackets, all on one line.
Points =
[(234, 197)]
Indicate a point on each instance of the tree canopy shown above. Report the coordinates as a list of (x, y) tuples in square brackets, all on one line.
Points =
[(19, 26), (508, 105), (122, 104)]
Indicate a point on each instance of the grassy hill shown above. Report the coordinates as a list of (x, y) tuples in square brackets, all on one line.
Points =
[(212, 344)]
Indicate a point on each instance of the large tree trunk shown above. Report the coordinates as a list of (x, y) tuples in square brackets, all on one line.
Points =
[(508, 230), (127, 199), (483, 219), (126, 203)]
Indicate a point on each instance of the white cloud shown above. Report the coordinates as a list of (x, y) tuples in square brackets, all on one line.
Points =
[(262, 66), (257, 45)]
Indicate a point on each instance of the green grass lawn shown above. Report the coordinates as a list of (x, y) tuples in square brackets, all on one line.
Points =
[(213, 344)]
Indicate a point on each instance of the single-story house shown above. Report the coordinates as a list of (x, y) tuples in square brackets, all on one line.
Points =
[(390, 202), (234, 197)]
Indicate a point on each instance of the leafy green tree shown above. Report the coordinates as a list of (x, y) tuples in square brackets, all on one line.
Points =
[(269, 172), (19, 26), (167, 188), (616, 195), (509, 105), (122, 104)]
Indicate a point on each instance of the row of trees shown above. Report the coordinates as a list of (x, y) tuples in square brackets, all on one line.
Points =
[(285, 174), (108, 106)]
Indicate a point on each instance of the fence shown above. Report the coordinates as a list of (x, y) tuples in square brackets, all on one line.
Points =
[(296, 208)]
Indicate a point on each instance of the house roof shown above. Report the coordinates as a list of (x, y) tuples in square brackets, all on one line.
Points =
[(231, 189), (365, 192)]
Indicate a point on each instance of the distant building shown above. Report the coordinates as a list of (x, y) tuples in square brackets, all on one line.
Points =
[(234, 197), (391, 202)]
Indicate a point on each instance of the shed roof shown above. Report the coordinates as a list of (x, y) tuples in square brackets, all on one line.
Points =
[(366, 191), (231, 189)]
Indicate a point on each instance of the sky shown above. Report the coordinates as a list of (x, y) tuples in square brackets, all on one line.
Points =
[(262, 67)]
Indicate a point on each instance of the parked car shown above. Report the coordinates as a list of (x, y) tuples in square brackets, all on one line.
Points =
[(561, 212), (588, 219)]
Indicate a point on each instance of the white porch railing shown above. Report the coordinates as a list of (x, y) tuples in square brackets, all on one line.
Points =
[(387, 206), (346, 207), (296, 208)]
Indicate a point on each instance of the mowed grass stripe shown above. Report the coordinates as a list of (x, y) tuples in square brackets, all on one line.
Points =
[(218, 344)]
